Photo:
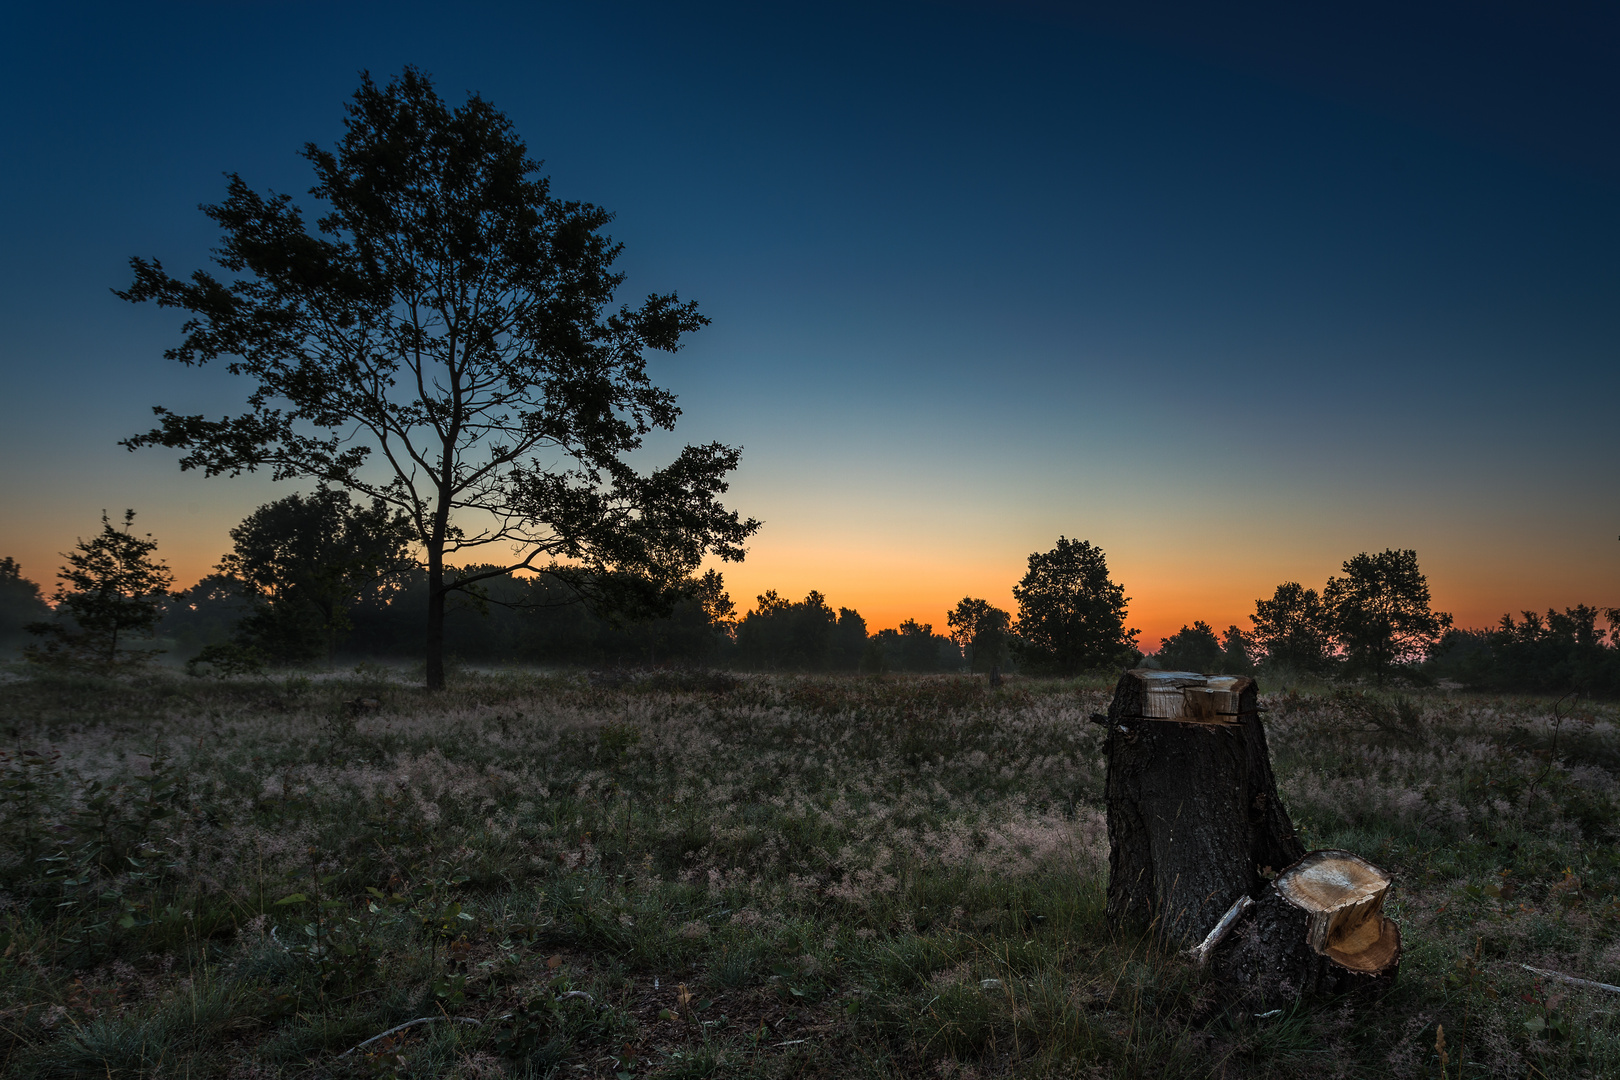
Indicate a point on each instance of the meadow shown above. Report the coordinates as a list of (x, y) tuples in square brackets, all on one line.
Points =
[(700, 874)]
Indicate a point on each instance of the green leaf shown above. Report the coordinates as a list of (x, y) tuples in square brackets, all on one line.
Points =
[(295, 898)]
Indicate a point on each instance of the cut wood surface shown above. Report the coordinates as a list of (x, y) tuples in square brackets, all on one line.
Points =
[(1194, 820), (1342, 895), (1319, 929)]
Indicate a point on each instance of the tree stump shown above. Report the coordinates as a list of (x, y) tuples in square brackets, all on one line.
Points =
[(1319, 929), (1194, 821)]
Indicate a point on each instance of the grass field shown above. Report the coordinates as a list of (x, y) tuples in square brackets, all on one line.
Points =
[(705, 875)]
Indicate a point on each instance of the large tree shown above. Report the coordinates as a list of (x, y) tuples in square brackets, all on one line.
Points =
[(1380, 611), (442, 340), (1071, 617), (1294, 628)]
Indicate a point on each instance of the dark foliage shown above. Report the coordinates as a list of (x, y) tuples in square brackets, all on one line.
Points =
[(1071, 617), (1294, 629), (983, 632), (305, 560), (1380, 612), (1562, 653), (805, 636), (20, 604), (915, 647), (112, 591)]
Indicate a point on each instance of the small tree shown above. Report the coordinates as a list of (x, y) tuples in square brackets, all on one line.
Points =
[(1071, 617), (981, 630), (1380, 612), (307, 559), (1294, 629), (111, 589), (443, 340)]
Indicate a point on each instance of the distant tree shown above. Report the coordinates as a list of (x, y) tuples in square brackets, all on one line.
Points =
[(982, 631), (20, 603), (1559, 653), (781, 634), (1294, 629), (1071, 617), (1380, 612), (206, 614), (307, 559), (443, 341), (1192, 648), (849, 640), (112, 589), (915, 647), (1237, 652)]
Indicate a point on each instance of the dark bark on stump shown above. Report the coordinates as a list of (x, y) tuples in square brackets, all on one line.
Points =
[(1194, 819), (1267, 957)]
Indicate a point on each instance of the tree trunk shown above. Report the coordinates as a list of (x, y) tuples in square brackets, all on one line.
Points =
[(435, 627), (1194, 821), (1318, 929)]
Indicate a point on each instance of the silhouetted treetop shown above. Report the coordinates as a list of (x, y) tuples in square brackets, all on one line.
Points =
[(444, 340)]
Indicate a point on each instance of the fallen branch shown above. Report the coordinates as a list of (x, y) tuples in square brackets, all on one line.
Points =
[(1222, 928), (1571, 980), (410, 1023)]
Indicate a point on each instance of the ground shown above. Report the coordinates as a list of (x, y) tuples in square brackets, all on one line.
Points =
[(684, 875)]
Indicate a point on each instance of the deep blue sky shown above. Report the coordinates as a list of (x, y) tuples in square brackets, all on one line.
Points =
[(1235, 298)]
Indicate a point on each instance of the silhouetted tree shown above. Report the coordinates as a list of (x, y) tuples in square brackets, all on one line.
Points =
[(442, 341), (1380, 612), (206, 614), (1192, 648), (848, 640), (1294, 629), (982, 631), (1237, 652), (1561, 652), (20, 603), (781, 634), (307, 559), (1071, 617), (915, 647), (112, 588)]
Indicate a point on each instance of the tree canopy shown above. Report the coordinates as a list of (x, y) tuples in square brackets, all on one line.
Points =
[(1380, 612), (982, 631), (443, 340), (307, 559), (20, 602), (1294, 628), (1071, 617)]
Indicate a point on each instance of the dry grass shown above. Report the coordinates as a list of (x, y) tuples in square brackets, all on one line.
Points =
[(764, 877)]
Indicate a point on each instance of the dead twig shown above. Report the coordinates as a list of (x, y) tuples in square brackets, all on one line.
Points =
[(1201, 953), (1571, 980), (406, 1024)]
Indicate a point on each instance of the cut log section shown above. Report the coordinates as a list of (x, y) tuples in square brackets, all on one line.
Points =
[(1194, 821), (1342, 896), (1319, 929)]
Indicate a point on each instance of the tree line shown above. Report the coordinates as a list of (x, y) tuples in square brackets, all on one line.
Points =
[(313, 577)]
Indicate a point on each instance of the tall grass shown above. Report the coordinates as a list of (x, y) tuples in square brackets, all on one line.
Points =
[(692, 876)]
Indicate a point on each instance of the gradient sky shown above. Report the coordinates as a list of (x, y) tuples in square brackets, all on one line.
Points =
[(1234, 298)]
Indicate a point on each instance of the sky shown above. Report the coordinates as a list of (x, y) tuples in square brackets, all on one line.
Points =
[(1232, 298)]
